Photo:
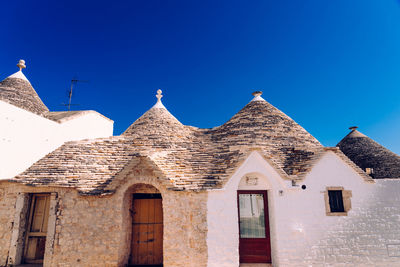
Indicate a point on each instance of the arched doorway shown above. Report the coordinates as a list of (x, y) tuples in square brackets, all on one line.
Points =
[(147, 227)]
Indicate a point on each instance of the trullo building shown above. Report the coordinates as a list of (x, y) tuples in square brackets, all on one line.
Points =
[(28, 130), (257, 189)]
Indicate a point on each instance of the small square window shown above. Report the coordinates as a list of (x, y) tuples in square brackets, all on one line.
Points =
[(336, 200)]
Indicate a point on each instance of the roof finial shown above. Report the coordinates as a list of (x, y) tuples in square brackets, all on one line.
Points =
[(159, 95), (21, 64), (353, 128), (159, 104), (257, 93), (257, 96)]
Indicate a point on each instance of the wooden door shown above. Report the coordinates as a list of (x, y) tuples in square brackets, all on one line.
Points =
[(254, 236), (37, 228), (147, 230)]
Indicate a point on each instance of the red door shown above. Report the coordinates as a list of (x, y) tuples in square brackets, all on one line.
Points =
[(254, 236)]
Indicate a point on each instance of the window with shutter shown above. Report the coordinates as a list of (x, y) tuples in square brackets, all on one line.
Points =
[(337, 201)]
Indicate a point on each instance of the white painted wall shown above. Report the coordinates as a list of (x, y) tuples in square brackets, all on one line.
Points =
[(26, 137), (222, 214), (301, 232), (88, 126)]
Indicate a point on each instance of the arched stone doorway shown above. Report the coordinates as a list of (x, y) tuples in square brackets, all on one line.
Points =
[(147, 226)]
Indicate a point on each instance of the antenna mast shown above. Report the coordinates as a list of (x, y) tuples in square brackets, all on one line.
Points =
[(73, 82)]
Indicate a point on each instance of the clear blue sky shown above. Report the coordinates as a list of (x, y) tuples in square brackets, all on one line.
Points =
[(327, 64)]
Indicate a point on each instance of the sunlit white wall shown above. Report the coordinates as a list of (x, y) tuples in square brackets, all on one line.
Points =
[(301, 232), (26, 137)]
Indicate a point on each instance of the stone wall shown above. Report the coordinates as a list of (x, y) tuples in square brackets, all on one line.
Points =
[(185, 239), (86, 231), (96, 230), (185, 226), (7, 206)]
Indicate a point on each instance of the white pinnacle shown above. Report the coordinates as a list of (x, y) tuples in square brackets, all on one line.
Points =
[(159, 104), (21, 64), (159, 95), (257, 96), (19, 75)]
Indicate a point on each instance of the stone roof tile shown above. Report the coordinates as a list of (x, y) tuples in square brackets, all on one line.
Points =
[(366, 153), (188, 158), (20, 93)]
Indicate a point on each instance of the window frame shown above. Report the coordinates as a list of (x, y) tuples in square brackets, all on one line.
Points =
[(346, 198), (42, 233)]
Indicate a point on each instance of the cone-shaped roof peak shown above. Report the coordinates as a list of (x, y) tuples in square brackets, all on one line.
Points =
[(157, 121), (355, 133), (370, 155), (261, 124), (257, 96), (159, 104), (259, 115), (18, 91), (19, 75)]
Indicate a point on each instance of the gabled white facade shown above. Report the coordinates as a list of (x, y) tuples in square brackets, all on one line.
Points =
[(301, 232)]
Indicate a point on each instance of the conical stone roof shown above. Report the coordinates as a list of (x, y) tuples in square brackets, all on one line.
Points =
[(367, 153), (260, 124), (159, 126), (18, 91), (189, 158)]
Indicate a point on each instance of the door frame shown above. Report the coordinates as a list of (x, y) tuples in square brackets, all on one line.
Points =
[(266, 221), (32, 204)]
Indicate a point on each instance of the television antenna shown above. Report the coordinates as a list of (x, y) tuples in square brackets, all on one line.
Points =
[(73, 82)]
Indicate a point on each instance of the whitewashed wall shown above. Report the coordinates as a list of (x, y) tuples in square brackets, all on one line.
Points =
[(88, 126), (301, 232), (26, 137)]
